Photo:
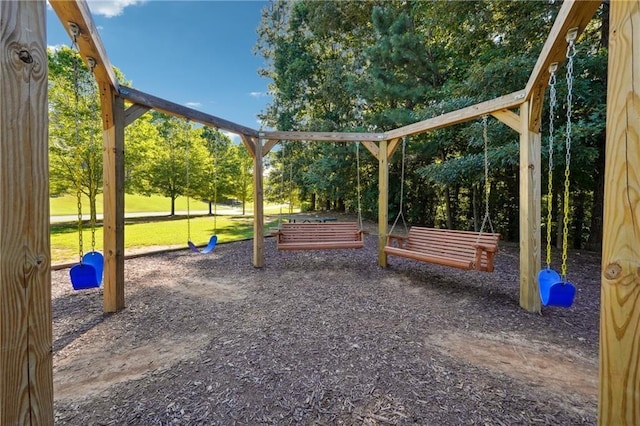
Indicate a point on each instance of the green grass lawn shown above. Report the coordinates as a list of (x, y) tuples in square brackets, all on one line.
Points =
[(153, 232), (67, 205)]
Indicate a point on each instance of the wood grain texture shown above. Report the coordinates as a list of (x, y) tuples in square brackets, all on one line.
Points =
[(181, 111), (619, 400), (258, 207), (113, 193), (26, 378), (530, 166), (383, 201), (572, 14), (322, 136), (89, 42), (509, 118), (134, 112), (509, 101)]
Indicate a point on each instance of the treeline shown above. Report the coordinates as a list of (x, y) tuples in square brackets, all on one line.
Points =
[(163, 155), (378, 65)]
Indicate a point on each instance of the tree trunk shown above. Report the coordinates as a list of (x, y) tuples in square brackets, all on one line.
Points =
[(210, 208), (474, 207), (173, 205), (578, 219), (447, 199), (312, 203)]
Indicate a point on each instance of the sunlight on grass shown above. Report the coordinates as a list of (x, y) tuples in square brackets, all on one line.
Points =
[(67, 205), (149, 233)]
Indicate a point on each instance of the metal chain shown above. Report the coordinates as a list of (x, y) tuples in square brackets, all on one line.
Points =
[(571, 52), (487, 185), (282, 156), (186, 136), (75, 31), (358, 184), (552, 108), (401, 207), (92, 147)]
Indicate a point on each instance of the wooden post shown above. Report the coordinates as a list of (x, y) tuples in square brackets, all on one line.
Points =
[(113, 192), (383, 201), (529, 211), (26, 378), (258, 207), (619, 401)]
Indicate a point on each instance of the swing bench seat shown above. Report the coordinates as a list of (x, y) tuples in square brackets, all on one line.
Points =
[(459, 249), (319, 236)]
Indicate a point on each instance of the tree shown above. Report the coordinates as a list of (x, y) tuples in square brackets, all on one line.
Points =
[(75, 136), (165, 169)]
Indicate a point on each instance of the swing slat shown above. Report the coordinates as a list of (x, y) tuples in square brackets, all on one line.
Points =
[(459, 249), (319, 236)]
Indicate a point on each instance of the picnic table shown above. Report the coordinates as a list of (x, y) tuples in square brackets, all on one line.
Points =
[(309, 219)]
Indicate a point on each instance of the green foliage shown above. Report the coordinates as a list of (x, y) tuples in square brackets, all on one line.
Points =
[(374, 66)]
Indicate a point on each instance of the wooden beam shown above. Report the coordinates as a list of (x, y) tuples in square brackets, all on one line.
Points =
[(572, 14), (171, 108), (619, 402), (393, 146), (258, 208), (113, 193), (530, 163), (509, 118), (372, 147), (509, 101), (250, 144), (268, 146), (134, 112), (323, 136), (26, 377), (383, 202), (89, 42)]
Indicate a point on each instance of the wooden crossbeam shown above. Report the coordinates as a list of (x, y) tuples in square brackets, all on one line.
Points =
[(134, 112), (89, 41), (177, 110), (509, 101), (323, 136), (572, 14)]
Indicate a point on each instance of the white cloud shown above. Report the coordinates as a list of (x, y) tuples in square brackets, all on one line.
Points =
[(257, 94), (111, 8), (234, 138), (54, 48), (193, 104)]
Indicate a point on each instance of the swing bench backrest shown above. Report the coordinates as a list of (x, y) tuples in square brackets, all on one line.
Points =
[(459, 249), (319, 236)]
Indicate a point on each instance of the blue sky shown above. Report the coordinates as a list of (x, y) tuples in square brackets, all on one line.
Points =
[(195, 53)]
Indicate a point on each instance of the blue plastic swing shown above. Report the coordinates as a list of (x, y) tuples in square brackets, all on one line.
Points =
[(88, 273), (554, 291), (207, 249)]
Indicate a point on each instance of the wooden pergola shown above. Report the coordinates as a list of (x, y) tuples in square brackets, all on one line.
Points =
[(26, 382)]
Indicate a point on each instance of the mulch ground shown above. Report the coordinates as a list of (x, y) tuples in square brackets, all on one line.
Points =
[(324, 338)]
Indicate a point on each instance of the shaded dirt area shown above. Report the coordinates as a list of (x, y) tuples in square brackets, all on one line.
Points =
[(323, 338)]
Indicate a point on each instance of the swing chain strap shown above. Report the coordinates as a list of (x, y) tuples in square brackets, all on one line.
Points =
[(552, 107), (487, 186), (75, 31), (571, 52), (401, 207), (186, 136), (358, 184), (92, 151)]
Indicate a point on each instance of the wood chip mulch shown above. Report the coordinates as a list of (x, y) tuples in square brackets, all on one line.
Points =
[(324, 338)]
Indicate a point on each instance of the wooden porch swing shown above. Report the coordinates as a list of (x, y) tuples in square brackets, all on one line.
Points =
[(458, 249), (325, 235)]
